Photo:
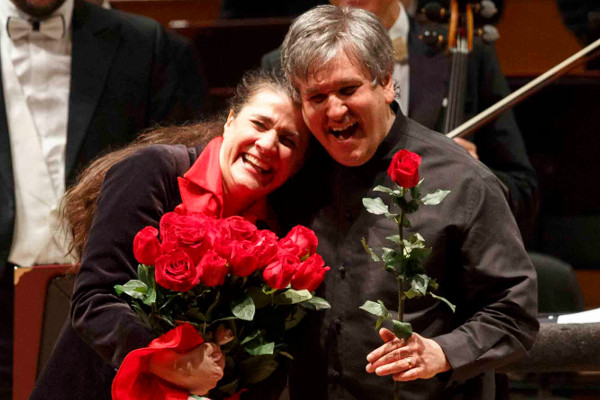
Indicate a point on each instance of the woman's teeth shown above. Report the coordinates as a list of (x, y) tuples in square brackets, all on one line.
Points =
[(260, 166)]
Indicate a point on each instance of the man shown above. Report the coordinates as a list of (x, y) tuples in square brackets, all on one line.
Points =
[(340, 61), (76, 80), (422, 76)]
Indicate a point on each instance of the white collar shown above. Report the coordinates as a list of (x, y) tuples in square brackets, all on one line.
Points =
[(9, 9), (401, 25)]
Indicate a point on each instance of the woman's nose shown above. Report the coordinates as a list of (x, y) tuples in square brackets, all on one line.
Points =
[(267, 142)]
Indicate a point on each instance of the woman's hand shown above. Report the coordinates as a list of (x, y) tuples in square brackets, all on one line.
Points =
[(197, 371)]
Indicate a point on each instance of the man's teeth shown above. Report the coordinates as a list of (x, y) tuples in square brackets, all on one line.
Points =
[(256, 163), (345, 131)]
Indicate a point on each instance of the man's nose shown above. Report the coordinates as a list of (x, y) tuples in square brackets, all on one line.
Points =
[(336, 108)]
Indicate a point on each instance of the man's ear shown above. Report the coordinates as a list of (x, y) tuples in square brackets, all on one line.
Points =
[(388, 89)]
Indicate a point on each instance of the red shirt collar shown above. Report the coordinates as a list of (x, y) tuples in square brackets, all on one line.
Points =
[(201, 187)]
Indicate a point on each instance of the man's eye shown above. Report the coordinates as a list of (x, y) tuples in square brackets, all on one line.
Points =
[(317, 98), (348, 90), (288, 142)]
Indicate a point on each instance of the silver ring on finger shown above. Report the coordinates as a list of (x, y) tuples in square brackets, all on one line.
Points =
[(408, 362)]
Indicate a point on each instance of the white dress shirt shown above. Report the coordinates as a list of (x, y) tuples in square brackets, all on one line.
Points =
[(400, 76), (36, 73)]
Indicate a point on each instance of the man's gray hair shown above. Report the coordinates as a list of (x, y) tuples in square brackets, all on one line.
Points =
[(317, 36)]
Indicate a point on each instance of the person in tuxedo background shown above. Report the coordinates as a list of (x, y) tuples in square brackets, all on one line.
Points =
[(422, 77), (76, 80)]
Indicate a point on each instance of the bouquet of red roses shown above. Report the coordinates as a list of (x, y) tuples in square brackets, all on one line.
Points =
[(211, 273)]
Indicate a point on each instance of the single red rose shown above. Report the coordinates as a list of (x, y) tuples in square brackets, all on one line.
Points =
[(146, 246), (278, 274), (244, 260), (310, 274), (240, 228), (404, 168), (305, 239), (266, 246), (287, 246), (177, 271), (214, 269)]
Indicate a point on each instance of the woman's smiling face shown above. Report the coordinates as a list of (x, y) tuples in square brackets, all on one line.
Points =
[(263, 145)]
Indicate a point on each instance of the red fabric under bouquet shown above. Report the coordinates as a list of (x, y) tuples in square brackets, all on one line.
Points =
[(210, 272)]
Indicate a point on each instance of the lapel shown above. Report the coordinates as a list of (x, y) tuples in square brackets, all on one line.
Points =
[(429, 75), (6, 172), (7, 187), (95, 41)]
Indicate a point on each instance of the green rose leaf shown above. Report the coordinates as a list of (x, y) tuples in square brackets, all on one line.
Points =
[(394, 239), (295, 318), (142, 273), (452, 306), (369, 250), (401, 329), (292, 296), (434, 198), (316, 303), (134, 288), (259, 297), (150, 297), (251, 337), (418, 286), (378, 309), (376, 206), (244, 309), (256, 369), (263, 349), (229, 389), (383, 189)]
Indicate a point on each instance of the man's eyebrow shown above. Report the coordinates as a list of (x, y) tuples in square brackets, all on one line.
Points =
[(338, 84)]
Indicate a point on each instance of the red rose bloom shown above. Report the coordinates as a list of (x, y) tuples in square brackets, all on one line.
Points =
[(278, 274), (214, 269), (266, 246), (244, 260), (177, 271), (305, 239), (194, 233), (287, 246), (240, 228), (404, 169), (310, 274), (146, 246)]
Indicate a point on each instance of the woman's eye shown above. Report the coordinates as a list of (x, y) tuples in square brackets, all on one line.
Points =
[(259, 125)]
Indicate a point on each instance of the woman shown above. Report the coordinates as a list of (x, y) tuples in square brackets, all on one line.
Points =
[(263, 143)]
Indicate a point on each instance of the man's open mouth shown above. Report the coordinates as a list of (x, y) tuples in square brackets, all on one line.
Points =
[(344, 132)]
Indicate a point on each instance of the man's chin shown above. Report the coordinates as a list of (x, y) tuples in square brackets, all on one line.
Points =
[(38, 10)]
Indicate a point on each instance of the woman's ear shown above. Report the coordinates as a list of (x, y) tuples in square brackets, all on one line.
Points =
[(230, 119)]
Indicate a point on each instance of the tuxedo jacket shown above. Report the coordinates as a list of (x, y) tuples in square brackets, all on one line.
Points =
[(127, 73), (500, 145)]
